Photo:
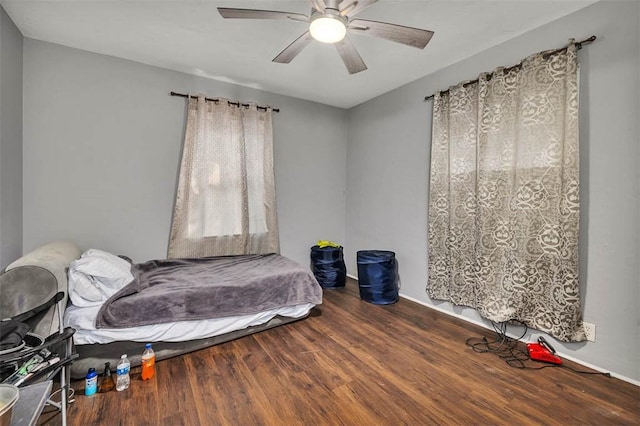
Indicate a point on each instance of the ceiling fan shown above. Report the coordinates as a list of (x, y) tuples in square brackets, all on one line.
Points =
[(329, 22)]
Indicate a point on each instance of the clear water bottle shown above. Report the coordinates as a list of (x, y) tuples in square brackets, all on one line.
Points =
[(148, 362), (122, 373)]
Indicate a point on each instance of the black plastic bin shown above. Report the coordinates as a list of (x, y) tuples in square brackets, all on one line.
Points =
[(327, 264), (378, 276)]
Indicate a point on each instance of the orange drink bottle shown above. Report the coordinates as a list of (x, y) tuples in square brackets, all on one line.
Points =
[(148, 362)]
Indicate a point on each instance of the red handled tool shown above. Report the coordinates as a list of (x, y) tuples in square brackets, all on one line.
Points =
[(543, 351)]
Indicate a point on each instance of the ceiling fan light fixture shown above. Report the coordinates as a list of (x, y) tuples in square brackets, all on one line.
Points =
[(328, 28)]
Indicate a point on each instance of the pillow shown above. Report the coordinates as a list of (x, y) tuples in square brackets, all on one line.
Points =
[(97, 276)]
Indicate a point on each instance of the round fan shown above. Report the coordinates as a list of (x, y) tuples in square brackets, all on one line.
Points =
[(330, 21)]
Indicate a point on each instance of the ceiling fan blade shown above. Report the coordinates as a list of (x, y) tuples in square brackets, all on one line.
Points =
[(414, 37), (353, 7), (350, 56), (293, 49), (231, 13), (318, 5)]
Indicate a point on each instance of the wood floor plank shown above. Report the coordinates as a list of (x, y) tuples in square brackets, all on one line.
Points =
[(354, 363)]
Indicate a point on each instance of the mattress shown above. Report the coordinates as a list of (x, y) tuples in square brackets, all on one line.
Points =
[(143, 310), (82, 319)]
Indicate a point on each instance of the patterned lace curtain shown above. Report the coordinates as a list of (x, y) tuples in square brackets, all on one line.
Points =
[(225, 203), (504, 195)]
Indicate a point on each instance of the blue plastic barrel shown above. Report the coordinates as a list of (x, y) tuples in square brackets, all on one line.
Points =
[(378, 276), (327, 264)]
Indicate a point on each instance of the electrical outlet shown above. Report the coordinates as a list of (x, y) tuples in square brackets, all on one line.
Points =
[(590, 331)]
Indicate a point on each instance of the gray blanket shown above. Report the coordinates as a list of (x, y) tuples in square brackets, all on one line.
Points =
[(171, 290)]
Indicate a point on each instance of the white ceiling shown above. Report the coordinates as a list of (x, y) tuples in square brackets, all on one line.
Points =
[(191, 37)]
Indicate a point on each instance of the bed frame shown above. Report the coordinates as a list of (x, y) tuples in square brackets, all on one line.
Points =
[(97, 354)]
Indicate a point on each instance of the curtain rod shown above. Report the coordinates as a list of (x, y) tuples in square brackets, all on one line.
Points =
[(519, 64), (238, 104)]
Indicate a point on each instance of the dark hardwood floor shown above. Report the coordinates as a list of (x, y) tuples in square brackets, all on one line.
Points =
[(354, 363)]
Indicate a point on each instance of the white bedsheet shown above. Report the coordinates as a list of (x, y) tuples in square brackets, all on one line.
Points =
[(83, 320)]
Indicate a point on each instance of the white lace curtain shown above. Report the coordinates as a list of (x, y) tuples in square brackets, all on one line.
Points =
[(225, 202), (504, 195)]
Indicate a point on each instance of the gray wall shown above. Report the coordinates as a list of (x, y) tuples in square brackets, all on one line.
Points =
[(10, 140), (388, 164), (102, 142)]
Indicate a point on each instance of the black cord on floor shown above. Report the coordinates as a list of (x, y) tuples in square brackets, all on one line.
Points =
[(506, 348)]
